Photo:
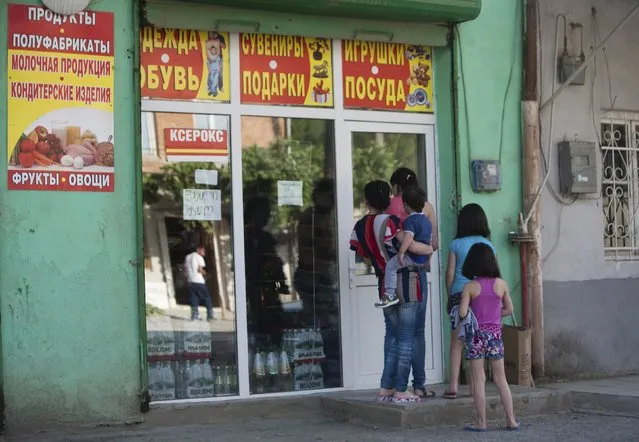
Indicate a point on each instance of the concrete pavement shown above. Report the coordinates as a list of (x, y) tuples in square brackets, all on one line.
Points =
[(315, 428), (604, 409)]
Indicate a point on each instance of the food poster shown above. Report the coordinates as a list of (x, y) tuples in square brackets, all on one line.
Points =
[(286, 70), (387, 76), (184, 65), (60, 100)]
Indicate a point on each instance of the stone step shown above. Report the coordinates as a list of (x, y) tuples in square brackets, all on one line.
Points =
[(362, 407)]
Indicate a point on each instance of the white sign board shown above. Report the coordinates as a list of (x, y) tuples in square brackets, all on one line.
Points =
[(207, 177), (290, 193), (202, 204)]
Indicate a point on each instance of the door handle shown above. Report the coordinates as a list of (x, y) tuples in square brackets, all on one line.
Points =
[(351, 277)]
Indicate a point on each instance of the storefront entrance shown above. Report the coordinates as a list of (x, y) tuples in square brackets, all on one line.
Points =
[(408, 145), (252, 183)]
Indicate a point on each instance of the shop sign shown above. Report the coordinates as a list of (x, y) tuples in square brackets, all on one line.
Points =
[(387, 76), (286, 70), (196, 145), (184, 65), (60, 100)]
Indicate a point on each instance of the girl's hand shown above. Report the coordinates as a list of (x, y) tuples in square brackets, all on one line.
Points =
[(400, 258)]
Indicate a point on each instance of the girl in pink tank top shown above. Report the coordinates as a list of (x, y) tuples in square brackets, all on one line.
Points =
[(488, 298)]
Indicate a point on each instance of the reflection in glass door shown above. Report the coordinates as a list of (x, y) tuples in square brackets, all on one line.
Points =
[(290, 240), (189, 285)]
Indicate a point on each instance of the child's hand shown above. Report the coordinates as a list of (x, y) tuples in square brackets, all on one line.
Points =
[(400, 258)]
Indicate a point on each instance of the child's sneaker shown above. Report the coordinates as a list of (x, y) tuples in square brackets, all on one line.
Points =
[(386, 302)]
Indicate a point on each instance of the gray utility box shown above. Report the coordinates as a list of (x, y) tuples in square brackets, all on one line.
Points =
[(577, 167)]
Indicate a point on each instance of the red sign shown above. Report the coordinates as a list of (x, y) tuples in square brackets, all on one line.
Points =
[(195, 145), (61, 91), (387, 76), (281, 69), (63, 181), (184, 64)]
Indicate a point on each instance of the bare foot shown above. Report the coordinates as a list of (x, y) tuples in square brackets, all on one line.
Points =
[(386, 392)]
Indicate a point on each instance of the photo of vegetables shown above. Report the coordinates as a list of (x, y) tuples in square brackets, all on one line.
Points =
[(60, 145)]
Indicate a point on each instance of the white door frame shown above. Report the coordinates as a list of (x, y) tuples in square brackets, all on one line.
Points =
[(351, 343)]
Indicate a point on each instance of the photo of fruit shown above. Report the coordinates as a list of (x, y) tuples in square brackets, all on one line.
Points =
[(59, 142)]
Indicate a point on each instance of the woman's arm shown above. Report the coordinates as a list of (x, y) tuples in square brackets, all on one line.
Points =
[(465, 301), (450, 271), (429, 211)]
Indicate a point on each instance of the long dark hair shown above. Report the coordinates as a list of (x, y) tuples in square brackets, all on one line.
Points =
[(472, 221), (403, 178), (377, 194), (481, 262)]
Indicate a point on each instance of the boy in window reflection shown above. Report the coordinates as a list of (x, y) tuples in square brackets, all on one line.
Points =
[(195, 269)]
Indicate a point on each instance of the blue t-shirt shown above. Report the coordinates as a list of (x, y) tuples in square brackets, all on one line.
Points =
[(460, 247), (420, 226)]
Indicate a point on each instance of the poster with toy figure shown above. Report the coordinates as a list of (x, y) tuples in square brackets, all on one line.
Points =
[(180, 64), (286, 70), (60, 101), (387, 76)]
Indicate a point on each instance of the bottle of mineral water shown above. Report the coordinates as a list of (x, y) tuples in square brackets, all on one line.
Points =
[(169, 381), (208, 379)]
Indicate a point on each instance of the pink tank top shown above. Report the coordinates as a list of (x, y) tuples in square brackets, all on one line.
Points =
[(396, 208), (488, 304)]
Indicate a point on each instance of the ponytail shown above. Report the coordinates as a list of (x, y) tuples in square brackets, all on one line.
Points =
[(403, 178)]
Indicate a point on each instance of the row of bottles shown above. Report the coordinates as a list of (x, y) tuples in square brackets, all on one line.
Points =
[(294, 366), (191, 380), (303, 344), (171, 344)]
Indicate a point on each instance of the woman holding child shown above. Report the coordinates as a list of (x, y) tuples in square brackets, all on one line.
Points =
[(374, 239)]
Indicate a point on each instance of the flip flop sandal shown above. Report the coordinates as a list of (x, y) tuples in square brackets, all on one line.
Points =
[(424, 394), (513, 428), (381, 398), (450, 395), (474, 429), (406, 399)]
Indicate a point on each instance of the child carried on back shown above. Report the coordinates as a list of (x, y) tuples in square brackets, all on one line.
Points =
[(417, 228)]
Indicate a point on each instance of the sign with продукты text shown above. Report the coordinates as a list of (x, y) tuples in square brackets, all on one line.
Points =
[(290, 193), (184, 64), (286, 70), (60, 102), (202, 204), (387, 76)]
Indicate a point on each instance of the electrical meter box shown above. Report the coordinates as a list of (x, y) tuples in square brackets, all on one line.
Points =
[(577, 167), (485, 175)]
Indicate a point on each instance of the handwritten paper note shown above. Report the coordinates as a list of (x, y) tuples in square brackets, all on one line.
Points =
[(290, 193), (202, 204)]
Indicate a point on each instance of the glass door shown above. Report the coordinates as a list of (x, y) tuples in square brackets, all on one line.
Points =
[(290, 254), (376, 151)]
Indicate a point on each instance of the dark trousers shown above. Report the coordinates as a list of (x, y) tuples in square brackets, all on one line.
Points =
[(199, 292)]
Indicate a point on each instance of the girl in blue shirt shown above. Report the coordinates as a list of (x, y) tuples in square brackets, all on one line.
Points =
[(472, 228)]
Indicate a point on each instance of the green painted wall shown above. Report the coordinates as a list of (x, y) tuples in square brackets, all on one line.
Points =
[(489, 96), (490, 49), (68, 275)]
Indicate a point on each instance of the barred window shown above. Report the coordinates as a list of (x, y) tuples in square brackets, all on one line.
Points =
[(620, 187)]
